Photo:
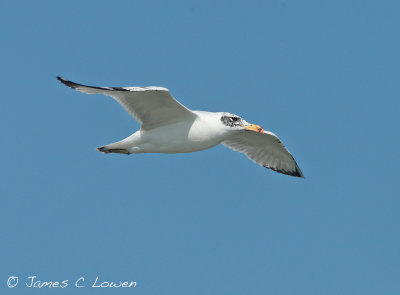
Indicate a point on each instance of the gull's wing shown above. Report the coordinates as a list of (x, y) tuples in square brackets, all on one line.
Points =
[(150, 106), (265, 149)]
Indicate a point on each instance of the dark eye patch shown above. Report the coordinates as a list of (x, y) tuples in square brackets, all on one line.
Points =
[(231, 120)]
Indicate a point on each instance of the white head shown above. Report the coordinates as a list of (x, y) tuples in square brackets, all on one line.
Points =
[(235, 122)]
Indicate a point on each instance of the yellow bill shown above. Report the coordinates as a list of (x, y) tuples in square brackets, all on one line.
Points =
[(254, 128)]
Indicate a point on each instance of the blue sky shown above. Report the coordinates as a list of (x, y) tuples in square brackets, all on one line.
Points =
[(323, 76)]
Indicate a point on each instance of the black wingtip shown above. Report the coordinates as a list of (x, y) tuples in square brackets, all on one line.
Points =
[(296, 173), (67, 82)]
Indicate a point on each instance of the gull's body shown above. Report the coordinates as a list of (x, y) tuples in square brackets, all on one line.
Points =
[(169, 127), (188, 136)]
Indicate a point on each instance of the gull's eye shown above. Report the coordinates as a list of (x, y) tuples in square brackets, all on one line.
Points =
[(234, 119)]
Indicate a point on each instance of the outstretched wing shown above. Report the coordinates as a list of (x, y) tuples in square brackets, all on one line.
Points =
[(150, 106), (266, 150)]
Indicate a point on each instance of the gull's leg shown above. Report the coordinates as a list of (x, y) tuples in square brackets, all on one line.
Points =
[(122, 147), (105, 150)]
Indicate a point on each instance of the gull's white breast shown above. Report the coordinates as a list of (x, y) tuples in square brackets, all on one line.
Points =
[(183, 137)]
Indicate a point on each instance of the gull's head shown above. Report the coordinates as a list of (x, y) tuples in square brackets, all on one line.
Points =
[(235, 122)]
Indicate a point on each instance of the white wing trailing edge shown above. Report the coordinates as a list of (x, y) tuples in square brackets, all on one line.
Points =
[(150, 106), (264, 149)]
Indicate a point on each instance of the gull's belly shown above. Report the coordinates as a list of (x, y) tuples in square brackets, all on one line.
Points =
[(181, 138)]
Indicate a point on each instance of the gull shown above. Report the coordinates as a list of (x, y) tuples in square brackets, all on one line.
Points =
[(169, 127)]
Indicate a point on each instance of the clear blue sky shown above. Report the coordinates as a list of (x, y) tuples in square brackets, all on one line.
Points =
[(322, 75)]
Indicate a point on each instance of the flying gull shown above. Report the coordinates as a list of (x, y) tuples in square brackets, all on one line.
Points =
[(169, 127)]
